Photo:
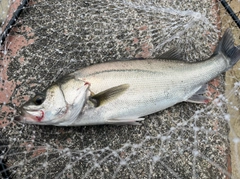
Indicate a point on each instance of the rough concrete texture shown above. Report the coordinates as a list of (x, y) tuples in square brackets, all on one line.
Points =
[(53, 38)]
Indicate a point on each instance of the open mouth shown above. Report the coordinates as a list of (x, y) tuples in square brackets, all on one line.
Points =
[(30, 116)]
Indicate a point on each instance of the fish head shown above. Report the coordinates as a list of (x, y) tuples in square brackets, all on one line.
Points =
[(45, 108)]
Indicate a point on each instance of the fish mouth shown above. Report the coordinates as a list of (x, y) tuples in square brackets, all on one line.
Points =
[(30, 116)]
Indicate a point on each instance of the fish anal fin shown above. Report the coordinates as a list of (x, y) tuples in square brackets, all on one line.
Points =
[(199, 96), (172, 54), (199, 99), (109, 94), (202, 90)]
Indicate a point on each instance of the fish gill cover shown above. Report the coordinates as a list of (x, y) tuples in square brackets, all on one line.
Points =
[(53, 38)]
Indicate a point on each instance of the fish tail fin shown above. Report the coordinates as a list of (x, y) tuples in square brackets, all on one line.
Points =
[(226, 46)]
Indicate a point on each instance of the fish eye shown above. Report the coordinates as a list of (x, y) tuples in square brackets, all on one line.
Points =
[(38, 100)]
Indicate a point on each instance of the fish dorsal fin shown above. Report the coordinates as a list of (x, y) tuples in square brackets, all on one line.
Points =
[(109, 94), (172, 54)]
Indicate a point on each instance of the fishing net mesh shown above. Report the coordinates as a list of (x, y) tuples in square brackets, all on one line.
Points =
[(54, 38)]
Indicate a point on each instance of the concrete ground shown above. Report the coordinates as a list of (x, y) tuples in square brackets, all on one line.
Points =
[(162, 147)]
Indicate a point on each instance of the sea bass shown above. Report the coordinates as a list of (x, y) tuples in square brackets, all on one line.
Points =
[(123, 92)]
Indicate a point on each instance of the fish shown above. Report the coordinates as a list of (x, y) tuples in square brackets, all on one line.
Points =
[(124, 91)]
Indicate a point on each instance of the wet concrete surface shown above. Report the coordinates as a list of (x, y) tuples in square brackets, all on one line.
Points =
[(185, 141)]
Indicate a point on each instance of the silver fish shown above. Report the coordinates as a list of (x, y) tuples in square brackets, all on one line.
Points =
[(122, 92)]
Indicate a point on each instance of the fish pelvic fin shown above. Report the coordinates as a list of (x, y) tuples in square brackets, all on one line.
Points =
[(109, 94), (226, 46), (126, 121)]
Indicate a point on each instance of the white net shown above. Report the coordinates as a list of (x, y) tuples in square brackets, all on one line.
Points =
[(53, 38)]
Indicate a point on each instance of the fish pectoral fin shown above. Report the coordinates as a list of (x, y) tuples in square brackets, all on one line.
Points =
[(107, 95), (172, 54), (126, 121)]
